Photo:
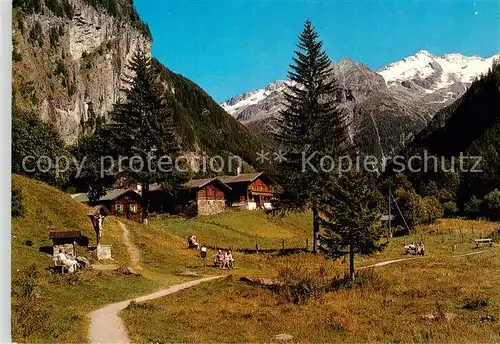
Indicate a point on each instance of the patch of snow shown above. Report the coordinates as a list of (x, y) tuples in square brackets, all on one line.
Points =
[(455, 68), (239, 102)]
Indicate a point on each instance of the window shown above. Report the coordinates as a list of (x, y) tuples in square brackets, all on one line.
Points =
[(133, 208), (119, 208)]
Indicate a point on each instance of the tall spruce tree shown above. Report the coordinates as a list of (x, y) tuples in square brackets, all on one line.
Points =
[(351, 218), (144, 132), (309, 128)]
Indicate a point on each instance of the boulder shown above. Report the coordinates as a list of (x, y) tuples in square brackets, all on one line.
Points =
[(283, 337), (189, 273), (127, 271)]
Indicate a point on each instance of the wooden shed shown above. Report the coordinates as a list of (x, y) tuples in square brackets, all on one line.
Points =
[(119, 202), (195, 197)]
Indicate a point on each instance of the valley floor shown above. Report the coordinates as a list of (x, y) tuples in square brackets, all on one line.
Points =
[(390, 303)]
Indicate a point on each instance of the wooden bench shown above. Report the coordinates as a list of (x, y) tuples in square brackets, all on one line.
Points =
[(480, 242)]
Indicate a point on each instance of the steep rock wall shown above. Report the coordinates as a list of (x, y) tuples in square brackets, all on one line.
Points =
[(68, 69)]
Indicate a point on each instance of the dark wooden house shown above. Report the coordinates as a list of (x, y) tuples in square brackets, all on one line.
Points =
[(250, 190), (195, 197), (119, 202)]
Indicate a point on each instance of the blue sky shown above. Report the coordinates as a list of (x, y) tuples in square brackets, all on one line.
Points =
[(230, 47)]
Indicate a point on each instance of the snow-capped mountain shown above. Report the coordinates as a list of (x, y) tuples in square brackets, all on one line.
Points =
[(430, 80), (386, 108), (435, 80), (250, 106), (444, 70)]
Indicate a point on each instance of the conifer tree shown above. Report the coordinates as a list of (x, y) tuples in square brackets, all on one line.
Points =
[(143, 128), (309, 128), (351, 218)]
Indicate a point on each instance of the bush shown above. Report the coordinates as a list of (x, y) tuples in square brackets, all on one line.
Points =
[(472, 208), (432, 209), (300, 282), (450, 209), (28, 6), (54, 36), (36, 34), (33, 138), (17, 207), (492, 205), (475, 302)]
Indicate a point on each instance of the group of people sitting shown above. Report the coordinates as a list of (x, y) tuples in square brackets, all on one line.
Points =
[(415, 248), (67, 261), (224, 260)]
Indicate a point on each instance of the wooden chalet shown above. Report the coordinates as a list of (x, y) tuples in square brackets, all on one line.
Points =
[(250, 190), (119, 202), (196, 197)]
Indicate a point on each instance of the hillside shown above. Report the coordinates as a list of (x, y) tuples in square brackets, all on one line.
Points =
[(470, 126), (53, 308), (38, 296), (69, 59)]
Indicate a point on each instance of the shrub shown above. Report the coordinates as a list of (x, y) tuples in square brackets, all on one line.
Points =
[(472, 208), (492, 205), (16, 55), (474, 302), (300, 282), (432, 209), (28, 6), (54, 36), (36, 34), (450, 209), (61, 69), (32, 137), (17, 207)]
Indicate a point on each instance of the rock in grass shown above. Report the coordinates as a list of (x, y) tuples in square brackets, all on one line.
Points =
[(447, 316), (283, 337), (127, 271)]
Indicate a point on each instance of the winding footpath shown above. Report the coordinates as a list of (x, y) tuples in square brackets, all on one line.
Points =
[(107, 327)]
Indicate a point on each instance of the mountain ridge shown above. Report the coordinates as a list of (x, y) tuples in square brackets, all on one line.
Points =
[(386, 108)]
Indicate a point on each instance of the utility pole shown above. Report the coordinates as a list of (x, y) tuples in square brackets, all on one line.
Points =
[(389, 208)]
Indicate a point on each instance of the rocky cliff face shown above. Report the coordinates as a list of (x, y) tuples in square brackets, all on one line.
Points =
[(69, 67)]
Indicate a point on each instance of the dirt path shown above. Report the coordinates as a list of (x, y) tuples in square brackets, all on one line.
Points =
[(387, 262), (134, 253), (107, 327)]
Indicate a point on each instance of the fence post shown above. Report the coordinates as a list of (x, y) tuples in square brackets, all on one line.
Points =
[(256, 248), (283, 244), (307, 244)]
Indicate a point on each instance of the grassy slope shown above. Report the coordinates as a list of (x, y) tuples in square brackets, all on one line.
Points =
[(53, 308), (389, 307), (37, 294), (243, 229)]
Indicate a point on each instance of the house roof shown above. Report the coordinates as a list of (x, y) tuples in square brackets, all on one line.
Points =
[(80, 197), (111, 195), (199, 183), (242, 178), (194, 184)]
